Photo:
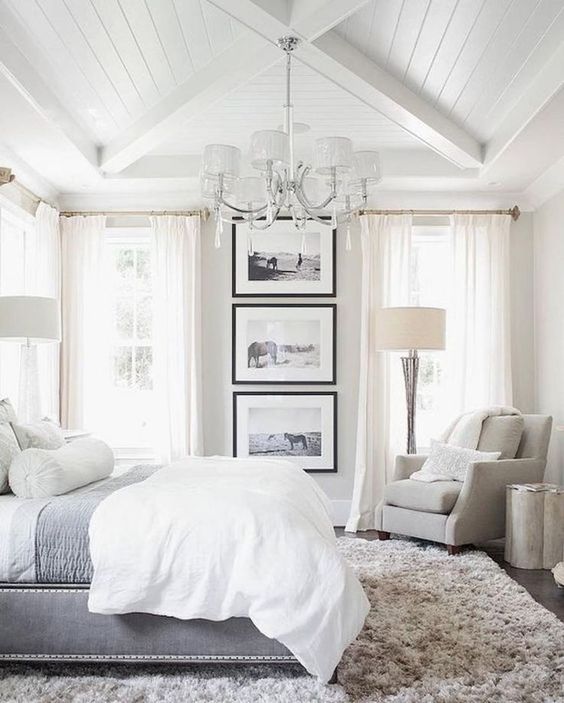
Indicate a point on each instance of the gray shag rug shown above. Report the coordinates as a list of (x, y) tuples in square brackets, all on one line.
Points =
[(440, 629)]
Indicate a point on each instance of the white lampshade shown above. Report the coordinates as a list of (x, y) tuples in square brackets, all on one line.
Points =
[(269, 145), (333, 152), (221, 158), (29, 318), (367, 165), (399, 329), (251, 190)]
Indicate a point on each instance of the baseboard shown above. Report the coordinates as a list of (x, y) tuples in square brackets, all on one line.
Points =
[(341, 510)]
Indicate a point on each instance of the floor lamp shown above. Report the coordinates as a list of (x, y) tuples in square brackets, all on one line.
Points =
[(410, 329), (29, 320)]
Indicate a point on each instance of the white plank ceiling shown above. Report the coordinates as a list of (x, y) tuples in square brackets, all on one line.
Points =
[(318, 102), (470, 58), (109, 61), (99, 95)]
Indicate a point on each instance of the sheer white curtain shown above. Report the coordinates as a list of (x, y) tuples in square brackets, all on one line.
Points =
[(478, 349), (30, 251), (386, 248), (85, 322), (177, 335), (43, 277)]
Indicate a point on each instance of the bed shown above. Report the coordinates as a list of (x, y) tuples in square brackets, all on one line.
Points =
[(46, 575)]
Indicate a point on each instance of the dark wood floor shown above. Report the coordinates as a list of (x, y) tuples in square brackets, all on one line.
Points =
[(539, 582)]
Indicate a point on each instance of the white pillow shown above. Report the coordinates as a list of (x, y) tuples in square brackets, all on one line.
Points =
[(44, 434), (448, 463), (9, 448), (39, 473)]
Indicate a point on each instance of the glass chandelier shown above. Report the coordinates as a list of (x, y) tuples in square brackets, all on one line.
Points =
[(344, 176)]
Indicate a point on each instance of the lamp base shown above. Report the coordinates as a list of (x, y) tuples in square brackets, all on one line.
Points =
[(410, 365), (29, 407)]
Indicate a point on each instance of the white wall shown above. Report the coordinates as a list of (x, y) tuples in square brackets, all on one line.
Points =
[(549, 323), (218, 389)]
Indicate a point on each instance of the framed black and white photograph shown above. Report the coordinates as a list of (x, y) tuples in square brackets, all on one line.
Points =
[(301, 427), (283, 261), (288, 344)]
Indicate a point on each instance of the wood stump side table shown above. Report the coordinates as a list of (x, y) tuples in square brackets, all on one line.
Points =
[(534, 525)]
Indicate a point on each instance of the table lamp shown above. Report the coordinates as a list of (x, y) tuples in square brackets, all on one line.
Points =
[(410, 329), (29, 320)]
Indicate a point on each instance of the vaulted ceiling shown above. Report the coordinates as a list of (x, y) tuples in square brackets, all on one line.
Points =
[(114, 96)]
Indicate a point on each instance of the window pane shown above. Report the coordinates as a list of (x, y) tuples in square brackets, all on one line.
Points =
[(144, 269), (123, 367), (125, 262), (144, 368), (124, 318), (144, 319)]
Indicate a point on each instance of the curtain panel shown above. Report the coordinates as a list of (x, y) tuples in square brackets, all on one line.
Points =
[(478, 348), (177, 336), (386, 253), (85, 324)]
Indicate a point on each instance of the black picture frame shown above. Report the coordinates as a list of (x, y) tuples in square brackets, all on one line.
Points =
[(239, 306), (235, 294), (333, 394)]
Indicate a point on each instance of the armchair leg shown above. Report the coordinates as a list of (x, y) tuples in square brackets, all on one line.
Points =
[(453, 549), (383, 535)]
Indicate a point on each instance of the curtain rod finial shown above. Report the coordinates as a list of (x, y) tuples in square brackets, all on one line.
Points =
[(515, 213)]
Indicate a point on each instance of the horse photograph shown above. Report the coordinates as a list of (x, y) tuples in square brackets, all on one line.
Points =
[(289, 431), (287, 256), (283, 343)]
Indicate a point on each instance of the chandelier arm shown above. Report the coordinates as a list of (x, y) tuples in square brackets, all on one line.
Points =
[(317, 218), (267, 224), (302, 197), (221, 201)]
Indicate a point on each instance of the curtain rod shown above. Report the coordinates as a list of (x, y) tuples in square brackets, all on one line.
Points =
[(514, 212), (204, 214)]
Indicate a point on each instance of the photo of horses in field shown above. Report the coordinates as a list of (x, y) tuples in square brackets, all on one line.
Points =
[(283, 344), (285, 432), (285, 257)]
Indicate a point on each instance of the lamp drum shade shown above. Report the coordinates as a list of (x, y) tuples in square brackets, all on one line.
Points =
[(404, 328), (29, 318)]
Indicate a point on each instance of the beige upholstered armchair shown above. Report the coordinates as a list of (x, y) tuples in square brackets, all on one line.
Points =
[(456, 513)]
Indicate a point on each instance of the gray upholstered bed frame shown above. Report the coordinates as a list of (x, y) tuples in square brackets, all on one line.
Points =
[(52, 623), (49, 623)]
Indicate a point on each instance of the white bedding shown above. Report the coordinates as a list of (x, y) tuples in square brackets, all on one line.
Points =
[(217, 538)]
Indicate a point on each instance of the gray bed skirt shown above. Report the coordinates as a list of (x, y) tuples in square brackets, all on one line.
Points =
[(52, 623)]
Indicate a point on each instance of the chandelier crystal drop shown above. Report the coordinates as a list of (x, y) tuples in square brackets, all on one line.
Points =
[(331, 191)]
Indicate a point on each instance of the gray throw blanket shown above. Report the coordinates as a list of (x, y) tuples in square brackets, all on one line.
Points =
[(62, 553)]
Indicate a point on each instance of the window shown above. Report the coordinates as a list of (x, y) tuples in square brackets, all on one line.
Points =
[(128, 426), (430, 265)]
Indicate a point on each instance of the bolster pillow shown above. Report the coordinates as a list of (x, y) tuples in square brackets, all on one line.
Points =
[(39, 473)]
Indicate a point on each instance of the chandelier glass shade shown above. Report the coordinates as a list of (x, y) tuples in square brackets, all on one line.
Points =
[(336, 183)]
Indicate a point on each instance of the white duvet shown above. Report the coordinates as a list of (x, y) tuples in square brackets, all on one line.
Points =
[(217, 538)]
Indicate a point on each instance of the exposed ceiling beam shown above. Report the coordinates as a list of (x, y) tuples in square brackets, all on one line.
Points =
[(251, 54), (244, 59), (396, 163), (540, 91), (15, 68), (347, 67), (312, 18)]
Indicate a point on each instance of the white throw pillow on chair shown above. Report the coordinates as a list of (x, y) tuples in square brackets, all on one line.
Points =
[(449, 463)]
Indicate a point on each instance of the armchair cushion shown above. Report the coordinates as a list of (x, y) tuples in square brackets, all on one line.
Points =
[(502, 434), (439, 497)]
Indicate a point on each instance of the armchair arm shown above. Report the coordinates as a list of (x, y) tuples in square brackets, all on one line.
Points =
[(479, 512), (407, 464)]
